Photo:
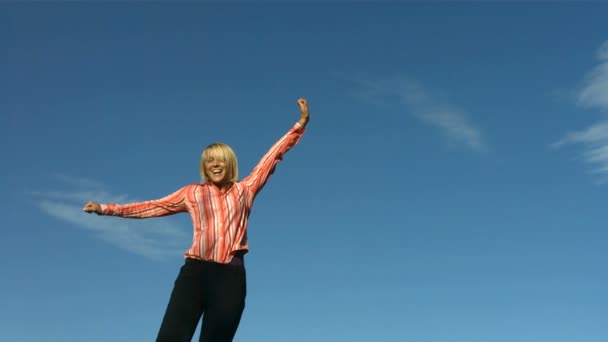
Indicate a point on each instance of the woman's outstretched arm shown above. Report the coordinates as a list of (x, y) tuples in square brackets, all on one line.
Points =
[(168, 205), (265, 167)]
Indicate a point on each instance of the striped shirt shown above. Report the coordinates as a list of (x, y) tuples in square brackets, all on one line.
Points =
[(219, 219)]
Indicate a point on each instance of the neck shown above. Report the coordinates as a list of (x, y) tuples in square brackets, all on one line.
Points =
[(223, 187)]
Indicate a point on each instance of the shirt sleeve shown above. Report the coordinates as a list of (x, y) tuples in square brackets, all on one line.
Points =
[(168, 205), (265, 167)]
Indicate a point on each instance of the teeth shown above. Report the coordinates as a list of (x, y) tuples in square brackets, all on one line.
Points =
[(217, 171)]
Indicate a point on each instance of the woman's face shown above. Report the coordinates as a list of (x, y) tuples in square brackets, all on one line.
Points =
[(217, 171)]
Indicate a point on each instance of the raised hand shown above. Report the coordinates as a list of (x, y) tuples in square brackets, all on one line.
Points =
[(304, 116), (92, 207)]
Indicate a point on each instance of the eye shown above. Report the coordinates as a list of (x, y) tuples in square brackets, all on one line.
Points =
[(213, 159)]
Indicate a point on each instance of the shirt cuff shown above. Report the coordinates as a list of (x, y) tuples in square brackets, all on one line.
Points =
[(298, 128)]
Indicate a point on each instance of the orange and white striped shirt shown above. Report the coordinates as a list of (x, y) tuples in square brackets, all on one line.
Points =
[(219, 219)]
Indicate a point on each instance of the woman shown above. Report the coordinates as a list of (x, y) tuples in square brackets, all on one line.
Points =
[(212, 280)]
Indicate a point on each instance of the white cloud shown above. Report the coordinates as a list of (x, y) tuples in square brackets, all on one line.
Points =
[(82, 196), (594, 93), (594, 139), (595, 144), (431, 109), (602, 53), (78, 181), (155, 238)]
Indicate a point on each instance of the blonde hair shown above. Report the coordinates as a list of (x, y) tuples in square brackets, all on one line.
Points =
[(221, 152)]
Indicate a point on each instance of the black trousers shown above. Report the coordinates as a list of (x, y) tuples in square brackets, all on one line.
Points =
[(212, 290)]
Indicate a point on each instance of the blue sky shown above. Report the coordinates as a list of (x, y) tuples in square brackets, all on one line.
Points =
[(450, 185)]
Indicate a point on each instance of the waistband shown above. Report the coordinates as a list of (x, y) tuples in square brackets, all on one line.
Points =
[(237, 260)]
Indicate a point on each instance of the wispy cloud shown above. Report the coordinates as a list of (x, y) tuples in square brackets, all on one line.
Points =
[(431, 108), (595, 146), (594, 93), (153, 238), (594, 139)]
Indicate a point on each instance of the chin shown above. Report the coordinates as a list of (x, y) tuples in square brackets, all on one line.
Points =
[(219, 181)]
